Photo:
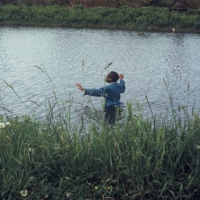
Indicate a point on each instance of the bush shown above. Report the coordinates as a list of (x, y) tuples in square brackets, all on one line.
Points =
[(77, 7)]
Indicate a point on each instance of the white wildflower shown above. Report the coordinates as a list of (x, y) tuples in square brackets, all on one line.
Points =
[(2, 125), (197, 147), (24, 193), (31, 150), (8, 124), (68, 195)]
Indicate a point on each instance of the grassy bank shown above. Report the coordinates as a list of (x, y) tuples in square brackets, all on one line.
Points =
[(127, 18), (135, 159), (194, 4)]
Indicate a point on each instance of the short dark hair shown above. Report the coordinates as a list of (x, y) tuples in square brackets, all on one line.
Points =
[(114, 76)]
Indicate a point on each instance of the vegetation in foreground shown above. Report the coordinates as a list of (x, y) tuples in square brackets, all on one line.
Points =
[(128, 18), (136, 158)]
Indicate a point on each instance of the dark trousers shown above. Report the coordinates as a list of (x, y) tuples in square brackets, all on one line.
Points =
[(110, 114)]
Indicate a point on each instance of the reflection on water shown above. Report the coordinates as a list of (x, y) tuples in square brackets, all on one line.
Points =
[(155, 65)]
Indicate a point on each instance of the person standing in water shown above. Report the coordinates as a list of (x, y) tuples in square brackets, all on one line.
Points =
[(111, 93)]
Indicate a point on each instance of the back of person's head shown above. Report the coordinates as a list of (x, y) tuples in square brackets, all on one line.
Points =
[(112, 77)]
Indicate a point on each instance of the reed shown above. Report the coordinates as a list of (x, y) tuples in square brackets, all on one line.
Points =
[(137, 158), (134, 159)]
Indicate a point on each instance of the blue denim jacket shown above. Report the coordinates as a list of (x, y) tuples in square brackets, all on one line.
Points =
[(110, 92)]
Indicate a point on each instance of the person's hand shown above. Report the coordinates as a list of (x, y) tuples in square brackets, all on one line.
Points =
[(121, 76), (79, 86)]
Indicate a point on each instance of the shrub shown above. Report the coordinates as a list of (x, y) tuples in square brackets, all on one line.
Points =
[(77, 7)]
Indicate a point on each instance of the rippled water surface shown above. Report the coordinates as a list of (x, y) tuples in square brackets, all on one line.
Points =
[(68, 56)]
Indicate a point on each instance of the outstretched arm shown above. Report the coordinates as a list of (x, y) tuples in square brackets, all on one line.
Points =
[(92, 92), (80, 87)]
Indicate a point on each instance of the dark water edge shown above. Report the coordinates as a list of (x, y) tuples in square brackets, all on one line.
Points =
[(93, 27), (79, 27)]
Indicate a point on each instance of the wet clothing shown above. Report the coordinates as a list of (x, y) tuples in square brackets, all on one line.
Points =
[(111, 93)]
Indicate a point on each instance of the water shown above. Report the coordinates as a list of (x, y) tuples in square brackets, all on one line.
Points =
[(70, 56)]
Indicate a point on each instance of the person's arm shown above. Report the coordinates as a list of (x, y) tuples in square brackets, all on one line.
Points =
[(95, 92), (92, 92), (121, 76), (123, 87), (122, 82), (80, 87)]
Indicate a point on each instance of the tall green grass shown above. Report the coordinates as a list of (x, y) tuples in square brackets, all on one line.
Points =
[(136, 158)]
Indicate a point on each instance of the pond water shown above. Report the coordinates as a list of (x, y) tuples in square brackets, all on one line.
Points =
[(156, 66)]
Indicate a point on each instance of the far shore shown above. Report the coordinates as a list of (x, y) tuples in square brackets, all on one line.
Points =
[(151, 19)]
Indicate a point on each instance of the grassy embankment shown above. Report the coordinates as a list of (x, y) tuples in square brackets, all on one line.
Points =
[(135, 18), (137, 158)]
